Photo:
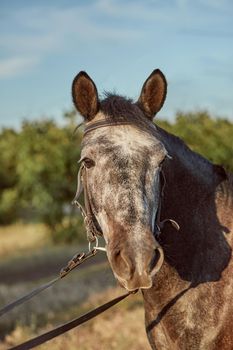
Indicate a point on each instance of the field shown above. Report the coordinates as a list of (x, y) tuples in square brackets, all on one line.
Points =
[(27, 259)]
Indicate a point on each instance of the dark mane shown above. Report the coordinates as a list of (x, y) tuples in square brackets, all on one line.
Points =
[(119, 108)]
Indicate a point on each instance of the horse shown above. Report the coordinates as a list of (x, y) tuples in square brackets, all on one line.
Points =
[(143, 184)]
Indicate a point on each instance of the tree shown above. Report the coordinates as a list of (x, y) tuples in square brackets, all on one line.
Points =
[(8, 177), (38, 166)]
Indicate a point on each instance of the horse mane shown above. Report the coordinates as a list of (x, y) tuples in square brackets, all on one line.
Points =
[(192, 160), (183, 149), (120, 108)]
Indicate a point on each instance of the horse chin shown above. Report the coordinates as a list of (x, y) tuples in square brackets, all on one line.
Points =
[(131, 286)]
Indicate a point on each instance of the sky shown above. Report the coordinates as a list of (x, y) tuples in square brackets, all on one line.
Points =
[(44, 44)]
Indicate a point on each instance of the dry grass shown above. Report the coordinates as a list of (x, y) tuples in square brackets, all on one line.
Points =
[(26, 261), (21, 237), (121, 327), (57, 304)]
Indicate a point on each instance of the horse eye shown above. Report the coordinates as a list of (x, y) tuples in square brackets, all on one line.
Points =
[(89, 163)]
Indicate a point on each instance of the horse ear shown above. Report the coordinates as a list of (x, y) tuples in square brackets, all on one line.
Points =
[(153, 93), (85, 96)]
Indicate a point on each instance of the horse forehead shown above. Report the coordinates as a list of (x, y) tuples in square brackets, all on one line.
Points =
[(125, 141), (132, 140)]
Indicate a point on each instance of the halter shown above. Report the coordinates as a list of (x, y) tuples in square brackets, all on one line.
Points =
[(103, 123), (87, 213), (92, 228)]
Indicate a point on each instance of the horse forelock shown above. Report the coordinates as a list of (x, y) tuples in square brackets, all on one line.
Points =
[(119, 108)]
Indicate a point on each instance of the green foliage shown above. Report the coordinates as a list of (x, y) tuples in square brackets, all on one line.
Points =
[(8, 159), (38, 167), (9, 141), (8, 205), (38, 170), (211, 137)]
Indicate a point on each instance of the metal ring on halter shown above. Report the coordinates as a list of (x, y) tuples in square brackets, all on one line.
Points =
[(102, 249), (95, 245)]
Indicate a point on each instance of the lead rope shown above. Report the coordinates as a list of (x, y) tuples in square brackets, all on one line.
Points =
[(77, 260), (69, 325)]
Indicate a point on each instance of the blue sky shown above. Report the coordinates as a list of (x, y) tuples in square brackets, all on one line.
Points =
[(44, 44)]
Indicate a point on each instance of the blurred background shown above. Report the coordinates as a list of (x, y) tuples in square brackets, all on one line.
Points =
[(43, 45)]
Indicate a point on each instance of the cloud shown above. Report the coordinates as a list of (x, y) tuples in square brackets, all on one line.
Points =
[(36, 31), (39, 31), (13, 66), (47, 28)]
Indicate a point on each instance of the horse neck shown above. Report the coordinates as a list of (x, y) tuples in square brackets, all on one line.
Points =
[(189, 176), (190, 198)]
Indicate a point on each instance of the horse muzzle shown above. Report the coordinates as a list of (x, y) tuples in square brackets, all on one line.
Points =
[(135, 268)]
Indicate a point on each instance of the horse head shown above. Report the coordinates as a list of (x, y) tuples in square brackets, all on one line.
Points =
[(122, 156)]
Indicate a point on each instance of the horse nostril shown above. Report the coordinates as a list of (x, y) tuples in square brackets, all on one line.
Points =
[(122, 263), (118, 252), (117, 256), (156, 261)]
